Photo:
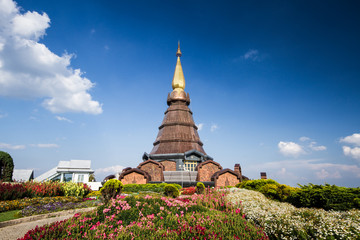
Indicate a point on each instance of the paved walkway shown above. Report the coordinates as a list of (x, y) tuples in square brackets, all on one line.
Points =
[(23, 225)]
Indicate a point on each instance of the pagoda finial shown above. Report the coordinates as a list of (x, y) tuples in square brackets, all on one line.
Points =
[(178, 53), (178, 82)]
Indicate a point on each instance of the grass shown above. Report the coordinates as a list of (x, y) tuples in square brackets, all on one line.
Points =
[(9, 215)]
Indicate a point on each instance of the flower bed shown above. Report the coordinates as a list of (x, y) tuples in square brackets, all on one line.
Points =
[(188, 191), (196, 217), (55, 207), (12, 191), (284, 221), (22, 203)]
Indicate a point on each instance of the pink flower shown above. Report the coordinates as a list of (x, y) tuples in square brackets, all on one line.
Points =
[(151, 216), (161, 208)]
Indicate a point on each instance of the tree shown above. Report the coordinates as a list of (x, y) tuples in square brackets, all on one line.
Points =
[(92, 178), (6, 167)]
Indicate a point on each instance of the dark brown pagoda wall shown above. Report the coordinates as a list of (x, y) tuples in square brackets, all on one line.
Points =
[(177, 133), (133, 177), (206, 171), (154, 170), (226, 179), (169, 165)]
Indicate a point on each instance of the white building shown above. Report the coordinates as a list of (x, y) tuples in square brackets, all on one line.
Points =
[(74, 170), (23, 175)]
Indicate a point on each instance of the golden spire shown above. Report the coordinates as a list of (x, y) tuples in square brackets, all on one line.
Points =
[(178, 82)]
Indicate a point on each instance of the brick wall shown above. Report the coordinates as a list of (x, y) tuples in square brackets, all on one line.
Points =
[(133, 177), (169, 165), (206, 171), (154, 171), (226, 179)]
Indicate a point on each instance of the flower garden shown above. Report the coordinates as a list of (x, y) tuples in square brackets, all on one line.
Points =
[(258, 209)]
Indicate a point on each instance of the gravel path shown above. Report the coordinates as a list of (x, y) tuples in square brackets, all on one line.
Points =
[(19, 230)]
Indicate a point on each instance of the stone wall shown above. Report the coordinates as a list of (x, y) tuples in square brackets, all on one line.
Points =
[(134, 177), (169, 165)]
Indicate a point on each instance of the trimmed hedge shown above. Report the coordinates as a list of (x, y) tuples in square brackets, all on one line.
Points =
[(326, 196), (150, 187), (269, 188), (7, 164)]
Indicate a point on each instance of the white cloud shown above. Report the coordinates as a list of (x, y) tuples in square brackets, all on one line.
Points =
[(311, 166), (322, 174), (352, 152), (252, 54), (290, 149), (28, 69), (12, 147), (303, 139), (200, 126), (313, 146), (213, 127), (63, 119), (45, 145), (4, 115), (352, 139), (112, 169)]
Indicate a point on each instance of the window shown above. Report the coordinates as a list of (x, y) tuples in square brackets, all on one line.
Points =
[(68, 177), (80, 178), (190, 165)]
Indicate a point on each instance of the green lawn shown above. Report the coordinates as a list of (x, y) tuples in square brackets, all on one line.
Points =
[(9, 215)]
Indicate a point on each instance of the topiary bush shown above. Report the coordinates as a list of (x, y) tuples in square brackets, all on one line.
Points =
[(171, 191), (111, 189), (6, 167), (200, 188)]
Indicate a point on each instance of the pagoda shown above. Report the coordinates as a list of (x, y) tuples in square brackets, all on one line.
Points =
[(178, 155), (178, 145)]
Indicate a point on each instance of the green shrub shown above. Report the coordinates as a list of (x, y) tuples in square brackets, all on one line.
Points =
[(326, 197), (200, 188), (149, 187), (171, 191), (6, 167), (75, 189), (111, 189), (94, 194), (269, 188)]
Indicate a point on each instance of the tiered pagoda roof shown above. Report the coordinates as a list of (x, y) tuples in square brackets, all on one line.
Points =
[(178, 132)]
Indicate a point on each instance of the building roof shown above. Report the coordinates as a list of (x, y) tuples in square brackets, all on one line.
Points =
[(85, 164), (67, 166), (23, 174)]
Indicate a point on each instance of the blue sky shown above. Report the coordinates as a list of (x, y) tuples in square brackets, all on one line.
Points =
[(274, 85)]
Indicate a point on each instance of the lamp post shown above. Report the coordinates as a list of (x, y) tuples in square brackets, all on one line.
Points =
[(180, 167)]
